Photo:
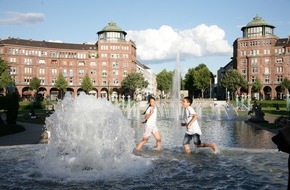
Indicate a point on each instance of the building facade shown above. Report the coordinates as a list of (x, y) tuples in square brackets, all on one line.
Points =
[(106, 62), (260, 54)]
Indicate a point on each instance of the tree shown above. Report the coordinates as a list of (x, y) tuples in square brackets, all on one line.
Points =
[(134, 81), (232, 80), (189, 81), (5, 77), (164, 81), (34, 84), (257, 86), (61, 83), (202, 78), (286, 84), (87, 84)]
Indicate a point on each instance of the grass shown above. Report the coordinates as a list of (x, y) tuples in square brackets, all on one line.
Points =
[(270, 114)]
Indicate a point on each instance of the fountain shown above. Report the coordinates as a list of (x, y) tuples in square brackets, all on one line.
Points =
[(92, 144)]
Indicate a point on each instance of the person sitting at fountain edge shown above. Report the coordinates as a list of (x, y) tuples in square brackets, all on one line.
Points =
[(193, 131), (150, 126)]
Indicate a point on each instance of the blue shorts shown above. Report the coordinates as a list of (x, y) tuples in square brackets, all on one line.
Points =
[(195, 137)]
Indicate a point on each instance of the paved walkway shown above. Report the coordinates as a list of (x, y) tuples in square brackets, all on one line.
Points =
[(31, 135)]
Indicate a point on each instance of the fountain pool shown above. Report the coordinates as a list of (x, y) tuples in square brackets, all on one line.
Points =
[(92, 143)]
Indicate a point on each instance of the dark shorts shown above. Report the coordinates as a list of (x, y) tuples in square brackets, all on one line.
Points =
[(195, 137)]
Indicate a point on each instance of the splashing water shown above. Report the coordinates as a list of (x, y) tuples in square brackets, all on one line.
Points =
[(90, 139)]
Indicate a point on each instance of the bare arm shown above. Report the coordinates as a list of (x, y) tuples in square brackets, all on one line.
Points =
[(194, 118), (150, 113)]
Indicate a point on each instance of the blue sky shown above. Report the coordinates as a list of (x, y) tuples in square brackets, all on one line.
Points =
[(201, 31)]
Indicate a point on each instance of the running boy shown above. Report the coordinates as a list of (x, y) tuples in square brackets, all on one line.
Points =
[(150, 126), (193, 131)]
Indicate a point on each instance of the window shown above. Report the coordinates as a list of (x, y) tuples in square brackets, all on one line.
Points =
[(244, 71), (27, 61), (115, 72), (267, 71), (12, 59), (279, 60), (41, 61), (253, 79), (104, 73), (267, 80), (42, 71), (81, 63), (54, 62), (81, 71), (93, 64), (115, 65), (53, 71), (93, 72), (12, 70), (280, 69), (27, 70), (64, 73), (279, 78), (254, 62), (254, 69), (71, 73)]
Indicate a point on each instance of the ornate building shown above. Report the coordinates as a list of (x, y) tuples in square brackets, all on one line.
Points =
[(260, 54), (107, 62)]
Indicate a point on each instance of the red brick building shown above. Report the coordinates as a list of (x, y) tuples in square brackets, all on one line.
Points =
[(107, 62), (261, 54)]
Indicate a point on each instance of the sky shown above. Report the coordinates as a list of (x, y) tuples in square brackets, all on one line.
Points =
[(199, 31)]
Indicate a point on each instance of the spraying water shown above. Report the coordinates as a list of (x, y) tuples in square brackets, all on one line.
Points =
[(90, 139)]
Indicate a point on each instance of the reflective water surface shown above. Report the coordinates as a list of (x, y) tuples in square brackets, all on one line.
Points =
[(93, 149)]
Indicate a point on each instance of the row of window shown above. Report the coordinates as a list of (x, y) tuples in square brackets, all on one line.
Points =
[(267, 79), (28, 70), (27, 80), (53, 54), (28, 61), (114, 47), (254, 61), (256, 43), (254, 70)]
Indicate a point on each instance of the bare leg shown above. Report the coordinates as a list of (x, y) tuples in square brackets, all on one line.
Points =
[(211, 145), (187, 148), (141, 143), (158, 140)]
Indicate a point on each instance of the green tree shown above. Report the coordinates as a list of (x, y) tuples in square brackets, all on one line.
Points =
[(257, 86), (34, 84), (286, 84), (202, 78), (232, 80), (164, 80), (5, 77), (87, 84), (189, 81), (61, 83), (134, 81)]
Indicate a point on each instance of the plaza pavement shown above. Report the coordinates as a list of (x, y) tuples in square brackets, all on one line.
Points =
[(31, 135)]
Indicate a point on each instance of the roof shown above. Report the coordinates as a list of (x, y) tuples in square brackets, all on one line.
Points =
[(45, 44), (112, 27), (285, 42), (258, 21)]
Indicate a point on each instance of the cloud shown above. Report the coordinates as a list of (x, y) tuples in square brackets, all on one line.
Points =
[(164, 43), (16, 18)]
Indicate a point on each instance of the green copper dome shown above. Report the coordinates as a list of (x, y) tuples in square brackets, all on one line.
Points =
[(258, 21), (112, 27)]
